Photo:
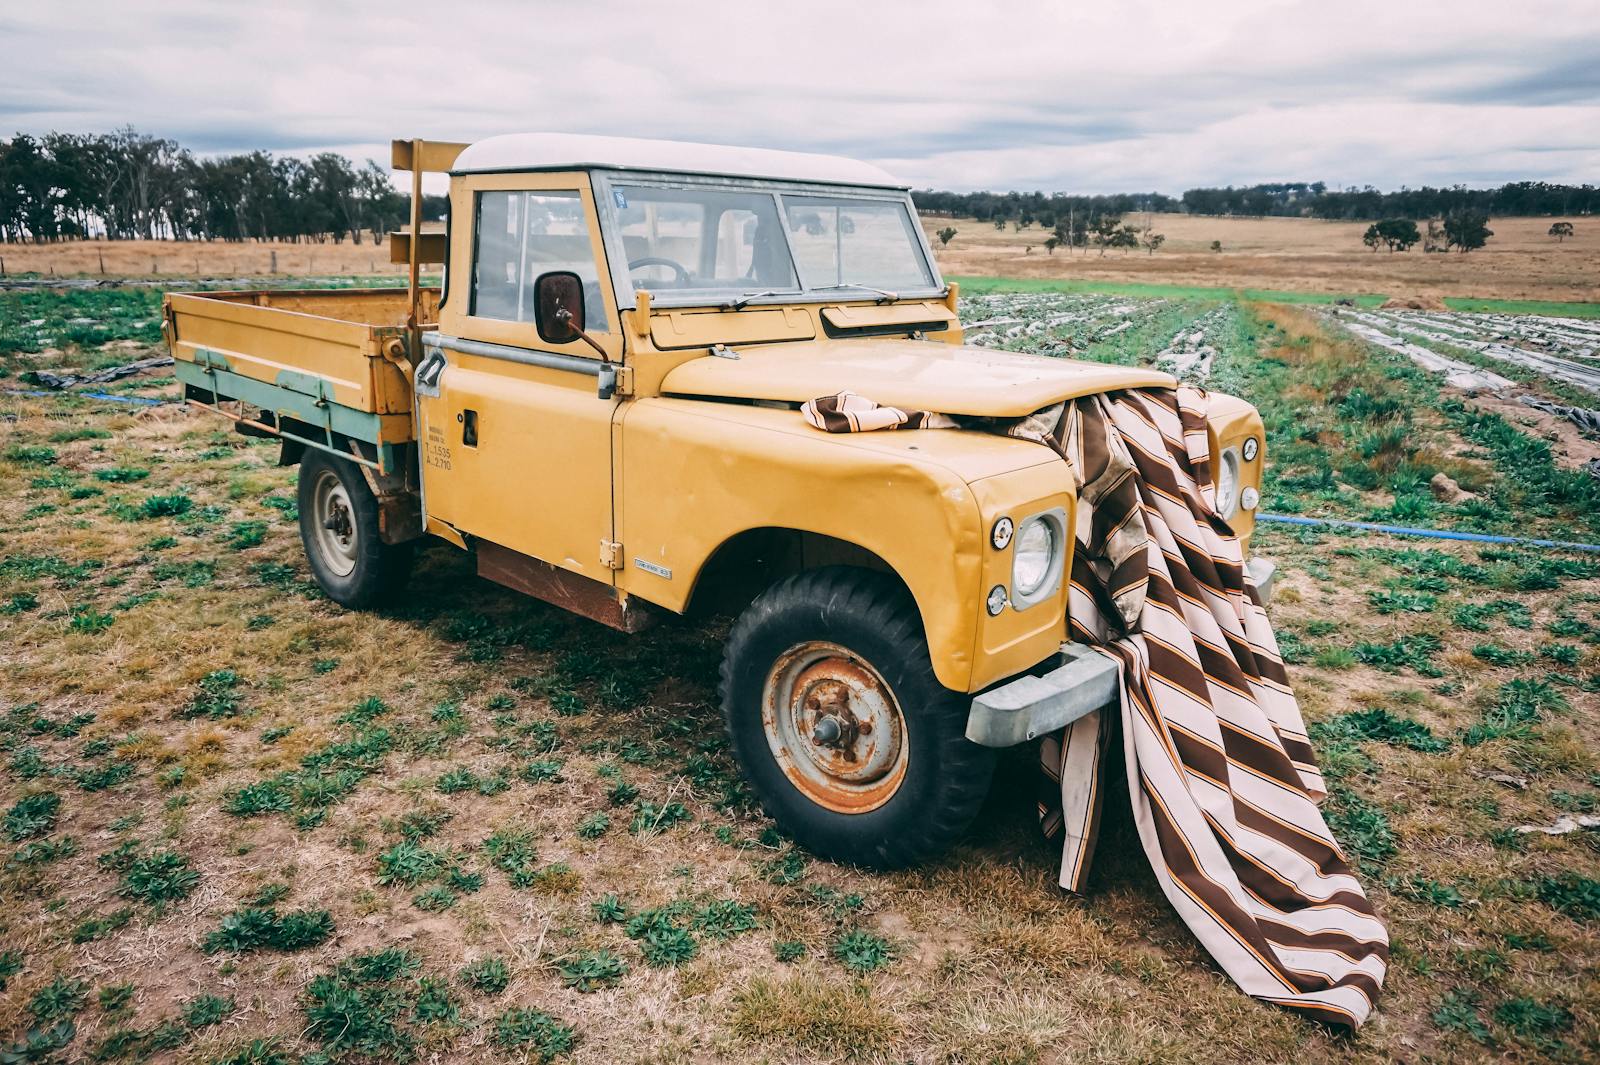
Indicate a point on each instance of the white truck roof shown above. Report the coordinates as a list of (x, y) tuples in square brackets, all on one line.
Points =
[(577, 151)]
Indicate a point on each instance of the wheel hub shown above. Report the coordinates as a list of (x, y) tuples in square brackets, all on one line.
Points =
[(334, 523), (835, 727)]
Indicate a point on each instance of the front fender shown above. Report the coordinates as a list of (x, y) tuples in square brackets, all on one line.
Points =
[(1231, 421), (693, 474)]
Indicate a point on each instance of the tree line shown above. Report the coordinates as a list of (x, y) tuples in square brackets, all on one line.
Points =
[(1286, 199), (129, 185)]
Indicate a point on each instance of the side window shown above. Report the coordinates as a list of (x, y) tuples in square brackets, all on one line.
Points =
[(519, 235)]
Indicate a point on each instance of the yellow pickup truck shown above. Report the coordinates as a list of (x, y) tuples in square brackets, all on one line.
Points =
[(602, 404)]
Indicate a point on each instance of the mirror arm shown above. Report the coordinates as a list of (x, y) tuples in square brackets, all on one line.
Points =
[(564, 315)]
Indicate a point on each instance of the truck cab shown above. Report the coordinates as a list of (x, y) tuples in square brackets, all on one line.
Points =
[(602, 403)]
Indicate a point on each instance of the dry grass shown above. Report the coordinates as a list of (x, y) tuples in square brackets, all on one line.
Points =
[(989, 961), (1296, 255), (1291, 254), (174, 258)]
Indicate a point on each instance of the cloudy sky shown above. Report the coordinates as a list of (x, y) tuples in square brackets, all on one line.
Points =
[(1056, 96)]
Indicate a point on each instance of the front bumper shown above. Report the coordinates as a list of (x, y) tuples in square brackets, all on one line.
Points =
[(1081, 682)]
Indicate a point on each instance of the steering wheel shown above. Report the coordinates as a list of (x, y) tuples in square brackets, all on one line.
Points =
[(682, 278)]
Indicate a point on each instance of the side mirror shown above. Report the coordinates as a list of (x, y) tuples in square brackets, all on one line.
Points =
[(558, 306)]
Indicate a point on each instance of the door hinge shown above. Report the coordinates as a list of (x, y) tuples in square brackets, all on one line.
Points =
[(610, 554)]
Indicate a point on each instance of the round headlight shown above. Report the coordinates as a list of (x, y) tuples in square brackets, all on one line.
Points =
[(1000, 536), (1228, 483), (1249, 498), (1251, 447), (1035, 550)]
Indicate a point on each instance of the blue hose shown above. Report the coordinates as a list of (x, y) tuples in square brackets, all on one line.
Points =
[(141, 401), (1436, 534)]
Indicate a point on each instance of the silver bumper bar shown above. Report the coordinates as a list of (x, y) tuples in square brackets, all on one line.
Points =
[(1082, 682)]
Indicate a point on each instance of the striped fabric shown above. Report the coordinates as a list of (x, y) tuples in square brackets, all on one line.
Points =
[(847, 412), (1226, 802)]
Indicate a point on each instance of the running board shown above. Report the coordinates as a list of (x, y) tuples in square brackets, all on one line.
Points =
[(582, 595)]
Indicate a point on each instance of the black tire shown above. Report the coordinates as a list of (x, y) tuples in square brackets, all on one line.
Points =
[(869, 614), (371, 571)]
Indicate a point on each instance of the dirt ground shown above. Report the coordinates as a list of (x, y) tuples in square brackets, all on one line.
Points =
[(1296, 255)]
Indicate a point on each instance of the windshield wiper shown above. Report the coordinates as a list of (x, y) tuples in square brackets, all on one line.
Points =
[(734, 305), (884, 295)]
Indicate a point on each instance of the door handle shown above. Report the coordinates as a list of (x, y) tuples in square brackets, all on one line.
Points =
[(469, 427)]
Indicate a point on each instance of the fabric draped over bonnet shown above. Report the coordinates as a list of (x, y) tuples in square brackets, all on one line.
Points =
[(1222, 779)]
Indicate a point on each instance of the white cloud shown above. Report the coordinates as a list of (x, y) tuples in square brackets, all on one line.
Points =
[(954, 94)]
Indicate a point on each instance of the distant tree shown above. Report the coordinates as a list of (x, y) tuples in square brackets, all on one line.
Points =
[(1051, 243), (1561, 231), (1467, 229), (1000, 222), (1125, 237), (1153, 241), (1396, 234), (1104, 230), (946, 235), (1216, 245), (1434, 240), (1400, 234)]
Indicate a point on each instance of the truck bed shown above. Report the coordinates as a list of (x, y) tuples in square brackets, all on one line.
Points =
[(323, 363)]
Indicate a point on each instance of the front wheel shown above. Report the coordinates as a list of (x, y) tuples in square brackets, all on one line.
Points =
[(339, 528), (839, 724)]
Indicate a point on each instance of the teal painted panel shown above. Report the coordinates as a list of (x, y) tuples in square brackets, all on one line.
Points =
[(356, 424)]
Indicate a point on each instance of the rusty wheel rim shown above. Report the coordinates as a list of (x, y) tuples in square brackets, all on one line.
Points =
[(834, 727), (333, 524)]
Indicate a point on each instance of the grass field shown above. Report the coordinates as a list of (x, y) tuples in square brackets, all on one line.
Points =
[(976, 286), (244, 825)]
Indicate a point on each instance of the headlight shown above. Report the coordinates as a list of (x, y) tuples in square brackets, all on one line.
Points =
[(1030, 565), (1228, 483), (1038, 560)]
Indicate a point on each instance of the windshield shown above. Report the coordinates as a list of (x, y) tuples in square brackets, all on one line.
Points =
[(854, 242), (734, 245)]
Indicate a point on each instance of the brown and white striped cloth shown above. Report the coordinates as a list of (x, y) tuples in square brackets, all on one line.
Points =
[(1227, 785)]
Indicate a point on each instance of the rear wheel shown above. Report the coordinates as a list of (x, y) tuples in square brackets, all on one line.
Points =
[(837, 720), (339, 529)]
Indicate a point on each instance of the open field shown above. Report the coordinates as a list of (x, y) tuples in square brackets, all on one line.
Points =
[(1274, 255), (175, 258), (1297, 255), (244, 825)]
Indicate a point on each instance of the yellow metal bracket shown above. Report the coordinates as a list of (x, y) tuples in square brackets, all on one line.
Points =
[(419, 157)]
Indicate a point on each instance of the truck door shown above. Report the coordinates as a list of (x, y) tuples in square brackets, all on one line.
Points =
[(516, 441)]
